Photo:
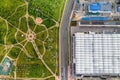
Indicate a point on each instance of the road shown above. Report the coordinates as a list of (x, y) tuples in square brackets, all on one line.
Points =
[(63, 42)]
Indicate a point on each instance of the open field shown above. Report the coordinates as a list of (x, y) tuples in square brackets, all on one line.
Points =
[(31, 45)]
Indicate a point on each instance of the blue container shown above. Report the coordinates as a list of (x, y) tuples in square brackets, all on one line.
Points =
[(118, 8), (95, 18), (95, 7)]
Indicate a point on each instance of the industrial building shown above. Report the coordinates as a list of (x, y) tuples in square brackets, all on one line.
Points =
[(97, 10), (96, 54), (95, 39)]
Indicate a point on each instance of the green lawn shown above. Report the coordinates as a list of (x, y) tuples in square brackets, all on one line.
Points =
[(30, 67), (10, 38), (51, 50), (14, 19), (2, 53), (23, 25), (39, 28), (7, 7), (42, 35), (40, 46), (31, 23), (14, 52), (52, 8), (12, 71), (52, 78), (48, 22), (30, 49), (3, 28), (20, 37)]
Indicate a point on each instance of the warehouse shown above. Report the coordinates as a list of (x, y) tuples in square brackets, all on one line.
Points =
[(96, 54)]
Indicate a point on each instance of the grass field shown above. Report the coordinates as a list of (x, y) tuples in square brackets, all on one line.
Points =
[(32, 46), (31, 67), (14, 52), (46, 8)]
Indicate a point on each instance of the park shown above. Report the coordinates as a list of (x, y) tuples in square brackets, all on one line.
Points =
[(29, 37)]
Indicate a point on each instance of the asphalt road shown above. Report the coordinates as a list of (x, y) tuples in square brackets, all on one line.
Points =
[(65, 23)]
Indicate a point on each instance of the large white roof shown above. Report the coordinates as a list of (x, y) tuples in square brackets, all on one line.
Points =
[(97, 53)]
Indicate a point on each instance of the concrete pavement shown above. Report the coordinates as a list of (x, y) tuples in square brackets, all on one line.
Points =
[(63, 38)]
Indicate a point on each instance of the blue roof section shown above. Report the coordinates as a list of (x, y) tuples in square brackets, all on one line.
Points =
[(77, 1), (100, 7), (95, 18), (118, 8), (95, 7)]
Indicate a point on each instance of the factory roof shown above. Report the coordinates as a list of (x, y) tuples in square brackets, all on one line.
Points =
[(97, 54)]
